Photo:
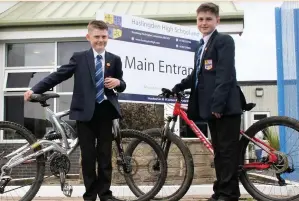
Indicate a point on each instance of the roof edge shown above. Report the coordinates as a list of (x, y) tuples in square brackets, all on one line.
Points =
[(234, 16)]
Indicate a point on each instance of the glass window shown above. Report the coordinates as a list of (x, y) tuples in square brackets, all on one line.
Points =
[(66, 86), (65, 50), (186, 131), (30, 115), (256, 116), (64, 103), (260, 116), (24, 79), (30, 54)]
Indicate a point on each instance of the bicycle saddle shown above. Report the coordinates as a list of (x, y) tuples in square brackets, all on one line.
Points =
[(42, 97), (249, 106)]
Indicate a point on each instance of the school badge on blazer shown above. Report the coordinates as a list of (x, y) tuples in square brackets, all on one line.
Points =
[(208, 64)]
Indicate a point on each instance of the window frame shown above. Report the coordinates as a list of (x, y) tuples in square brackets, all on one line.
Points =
[(13, 141), (22, 89), (253, 113), (252, 121), (29, 42), (23, 69), (17, 93)]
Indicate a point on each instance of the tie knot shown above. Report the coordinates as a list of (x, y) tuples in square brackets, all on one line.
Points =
[(201, 42), (99, 57)]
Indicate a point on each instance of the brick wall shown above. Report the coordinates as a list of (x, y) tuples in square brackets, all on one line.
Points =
[(203, 173)]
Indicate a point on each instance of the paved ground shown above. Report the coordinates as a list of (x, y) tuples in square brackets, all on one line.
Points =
[(197, 198)]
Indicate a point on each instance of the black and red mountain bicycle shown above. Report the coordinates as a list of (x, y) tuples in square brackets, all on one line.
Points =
[(269, 177)]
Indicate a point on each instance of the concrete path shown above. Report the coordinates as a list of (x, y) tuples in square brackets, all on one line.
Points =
[(186, 198)]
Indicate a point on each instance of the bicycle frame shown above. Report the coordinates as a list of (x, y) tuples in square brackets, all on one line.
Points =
[(179, 110), (63, 131), (67, 148), (16, 157), (56, 121)]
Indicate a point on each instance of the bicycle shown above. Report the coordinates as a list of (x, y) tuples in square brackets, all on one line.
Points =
[(275, 161), (47, 150)]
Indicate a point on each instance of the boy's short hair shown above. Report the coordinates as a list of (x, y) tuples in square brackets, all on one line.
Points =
[(97, 24), (211, 7)]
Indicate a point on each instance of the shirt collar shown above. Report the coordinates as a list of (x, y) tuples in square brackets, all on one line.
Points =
[(207, 37), (95, 54)]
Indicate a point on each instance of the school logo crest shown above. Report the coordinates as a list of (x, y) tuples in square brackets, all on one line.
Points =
[(208, 64), (114, 23)]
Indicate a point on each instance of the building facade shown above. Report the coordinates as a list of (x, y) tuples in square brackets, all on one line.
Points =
[(36, 38), (264, 94)]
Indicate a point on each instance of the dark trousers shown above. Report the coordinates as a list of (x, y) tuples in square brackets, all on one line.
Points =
[(95, 140), (225, 134)]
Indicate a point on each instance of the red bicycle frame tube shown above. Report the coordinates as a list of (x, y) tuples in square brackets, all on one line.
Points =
[(180, 111)]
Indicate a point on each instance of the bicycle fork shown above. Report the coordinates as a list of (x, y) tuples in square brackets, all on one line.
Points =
[(165, 143), (124, 161)]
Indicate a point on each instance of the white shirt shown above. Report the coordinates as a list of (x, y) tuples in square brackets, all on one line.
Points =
[(205, 39), (95, 54)]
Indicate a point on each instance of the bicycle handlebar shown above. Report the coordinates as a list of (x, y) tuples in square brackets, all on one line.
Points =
[(167, 93)]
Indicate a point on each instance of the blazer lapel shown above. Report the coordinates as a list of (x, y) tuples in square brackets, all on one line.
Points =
[(108, 63), (91, 65), (208, 46)]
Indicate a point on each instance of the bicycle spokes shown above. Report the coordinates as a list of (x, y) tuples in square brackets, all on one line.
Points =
[(270, 167)]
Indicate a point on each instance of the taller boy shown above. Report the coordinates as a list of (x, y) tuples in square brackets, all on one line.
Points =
[(215, 98)]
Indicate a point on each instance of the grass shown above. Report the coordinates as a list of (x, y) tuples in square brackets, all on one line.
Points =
[(272, 137)]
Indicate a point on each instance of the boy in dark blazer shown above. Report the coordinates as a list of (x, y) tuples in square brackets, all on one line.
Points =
[(94, 105), (215, 98)]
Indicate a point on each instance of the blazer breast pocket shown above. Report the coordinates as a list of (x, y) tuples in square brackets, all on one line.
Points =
[(208, 65)]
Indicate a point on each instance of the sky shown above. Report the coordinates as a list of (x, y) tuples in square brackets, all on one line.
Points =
[(256, 48)]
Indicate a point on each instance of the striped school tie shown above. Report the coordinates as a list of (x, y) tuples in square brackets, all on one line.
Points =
[(201, 42), (99, 80)]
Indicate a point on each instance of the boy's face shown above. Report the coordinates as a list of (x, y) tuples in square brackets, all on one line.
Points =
[(98, 39), (207, 22)]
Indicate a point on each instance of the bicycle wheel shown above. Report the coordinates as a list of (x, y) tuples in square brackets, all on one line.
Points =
[(174, 140), (158, 152), (10, 130), (258, 182)]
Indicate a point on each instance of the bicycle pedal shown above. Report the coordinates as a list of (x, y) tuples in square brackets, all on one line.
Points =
[(3, 182), (67, 190)]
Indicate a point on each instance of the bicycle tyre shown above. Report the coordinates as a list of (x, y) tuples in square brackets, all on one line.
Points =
[(130, 133), (157, 133), (251, 131), (26, 134)]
